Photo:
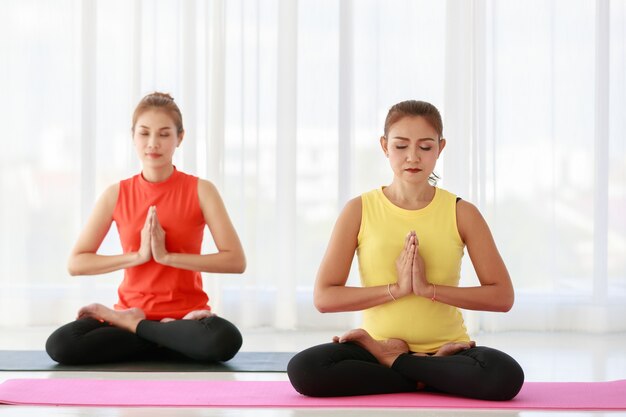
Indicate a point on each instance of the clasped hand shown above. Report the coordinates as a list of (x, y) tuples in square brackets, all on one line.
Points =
[(410, 267), (152, 238)]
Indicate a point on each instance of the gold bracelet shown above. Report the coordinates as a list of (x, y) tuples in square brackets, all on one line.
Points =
[(434, 297)]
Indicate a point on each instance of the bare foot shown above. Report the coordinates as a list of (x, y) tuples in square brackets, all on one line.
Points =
[(385, 351), (197, 314), (451, 348), (125, 319)]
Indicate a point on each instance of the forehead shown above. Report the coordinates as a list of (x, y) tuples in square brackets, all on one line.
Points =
[(412, 127), (155, 118)]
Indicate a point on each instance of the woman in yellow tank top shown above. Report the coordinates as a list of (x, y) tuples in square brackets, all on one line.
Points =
[(409, 237)]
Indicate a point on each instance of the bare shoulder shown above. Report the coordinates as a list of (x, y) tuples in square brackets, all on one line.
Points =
[(337, 260), (351, 214), (206, 188), (109, 197), (469, 220), (208, 195), (112, 191), (466, 210), (354, 206)]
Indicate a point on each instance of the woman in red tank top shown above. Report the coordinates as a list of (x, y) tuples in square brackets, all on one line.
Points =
[(160, 214)]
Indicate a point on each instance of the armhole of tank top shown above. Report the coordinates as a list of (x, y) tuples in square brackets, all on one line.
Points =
[(117, 201), (362, 223), (198, 200), (456, 220)]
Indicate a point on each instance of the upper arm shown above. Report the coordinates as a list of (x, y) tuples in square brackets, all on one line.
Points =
[(335, 266), (99, 222), (481, 247), (216, 218)]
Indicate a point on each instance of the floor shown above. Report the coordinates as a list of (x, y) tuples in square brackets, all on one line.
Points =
[(544, 357)]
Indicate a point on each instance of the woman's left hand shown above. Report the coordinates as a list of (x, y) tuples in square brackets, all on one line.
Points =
[(159, 252), (418, 272)]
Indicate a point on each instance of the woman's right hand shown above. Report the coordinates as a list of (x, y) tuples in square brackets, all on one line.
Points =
[(404, 266), (145, 249)]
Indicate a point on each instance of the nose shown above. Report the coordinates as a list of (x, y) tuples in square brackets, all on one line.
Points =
[(152, 141), (413, 155)]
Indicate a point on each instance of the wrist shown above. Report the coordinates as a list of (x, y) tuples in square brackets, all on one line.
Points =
[(164, 259), (399, 291), (138, 259), (392, 290), (424, 290), (427, 291)]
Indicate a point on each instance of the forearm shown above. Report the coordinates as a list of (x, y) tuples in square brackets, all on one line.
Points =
[(483, 298), (94, 264), (222, 262), (339, 298)]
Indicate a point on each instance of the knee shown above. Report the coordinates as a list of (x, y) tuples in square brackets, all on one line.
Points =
[(230, 343), (511, 379), (304, 374), (60, 347), (223, 344), (505, 377)]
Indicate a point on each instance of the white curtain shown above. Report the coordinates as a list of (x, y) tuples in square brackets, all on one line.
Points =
[(283, 102)]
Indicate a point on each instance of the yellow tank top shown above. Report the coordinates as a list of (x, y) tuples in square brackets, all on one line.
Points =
[(423, 324)]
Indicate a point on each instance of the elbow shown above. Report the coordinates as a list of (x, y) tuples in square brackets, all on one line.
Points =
[(320, 303), (507, 303), (321, 307), (238, 265), (72, 268), (505, 307), (241, 264)]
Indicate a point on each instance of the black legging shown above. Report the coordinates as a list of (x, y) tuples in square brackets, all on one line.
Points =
[(342, 369), (86, 341)]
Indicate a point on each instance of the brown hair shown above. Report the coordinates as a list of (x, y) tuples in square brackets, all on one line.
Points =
[(159, 101), (414, 108)]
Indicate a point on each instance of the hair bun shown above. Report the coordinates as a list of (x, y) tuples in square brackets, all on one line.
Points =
[(160, 95), (162, 101)]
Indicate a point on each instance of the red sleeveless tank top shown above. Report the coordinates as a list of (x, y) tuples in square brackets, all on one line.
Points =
[(161, 291)]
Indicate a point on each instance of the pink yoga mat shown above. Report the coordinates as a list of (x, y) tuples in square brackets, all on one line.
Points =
[(94, 392)]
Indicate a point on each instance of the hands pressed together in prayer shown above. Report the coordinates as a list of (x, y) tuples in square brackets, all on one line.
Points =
[(152, 238), (411, 270)]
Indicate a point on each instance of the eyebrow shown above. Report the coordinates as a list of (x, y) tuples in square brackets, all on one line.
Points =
[(162, 128), (419, 140)]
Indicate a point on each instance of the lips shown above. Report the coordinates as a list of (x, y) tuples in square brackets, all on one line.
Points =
[(153, 155), (413, 170)]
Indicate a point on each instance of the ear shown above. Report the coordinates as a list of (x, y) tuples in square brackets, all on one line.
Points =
[(384, 144), (180, 138), (442, 144)]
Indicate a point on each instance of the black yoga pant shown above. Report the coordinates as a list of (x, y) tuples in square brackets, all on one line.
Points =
[(86, 341), (342, 369)]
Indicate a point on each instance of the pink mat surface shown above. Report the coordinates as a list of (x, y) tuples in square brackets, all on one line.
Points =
[(94, 392)]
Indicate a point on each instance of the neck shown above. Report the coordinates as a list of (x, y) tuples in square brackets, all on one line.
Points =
[(157, 174), (410, 192)]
